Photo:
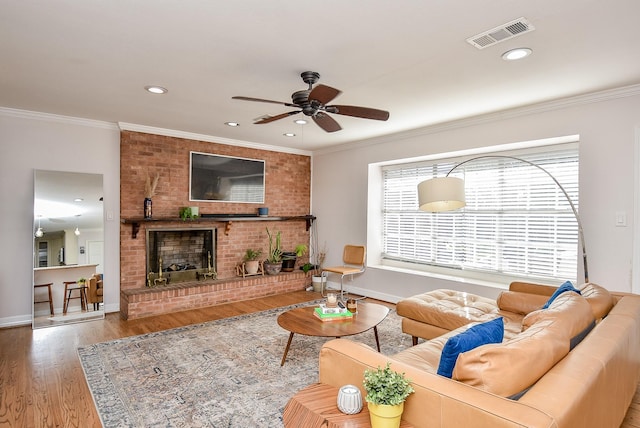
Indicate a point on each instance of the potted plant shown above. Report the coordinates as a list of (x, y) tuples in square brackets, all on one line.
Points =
[(386, 392), (273, 264), (251, 262), (318, 280), (186, 213), (289, 258)]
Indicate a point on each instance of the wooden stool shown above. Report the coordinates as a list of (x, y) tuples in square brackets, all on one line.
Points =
[(70, 288), (50, 301)]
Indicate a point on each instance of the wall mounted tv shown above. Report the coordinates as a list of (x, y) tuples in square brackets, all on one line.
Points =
[(226, 179)]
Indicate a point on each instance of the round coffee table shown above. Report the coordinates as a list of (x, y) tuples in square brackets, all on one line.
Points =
[(303, 321)]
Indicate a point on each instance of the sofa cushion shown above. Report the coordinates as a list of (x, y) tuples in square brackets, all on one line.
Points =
[(599, 298), (572, 309), (477, 335), (548, 335), (511, 367), (520, 303), (567, 286)]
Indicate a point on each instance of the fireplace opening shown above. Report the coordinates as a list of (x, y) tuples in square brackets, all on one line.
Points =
[(180, 255)]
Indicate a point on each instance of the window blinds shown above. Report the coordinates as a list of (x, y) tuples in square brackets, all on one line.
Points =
[(517, 221)]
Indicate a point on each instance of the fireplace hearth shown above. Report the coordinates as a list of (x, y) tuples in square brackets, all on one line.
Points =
[(180, 255)]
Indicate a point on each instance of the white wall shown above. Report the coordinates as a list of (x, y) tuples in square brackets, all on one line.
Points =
[(31, 141), (606, 123)]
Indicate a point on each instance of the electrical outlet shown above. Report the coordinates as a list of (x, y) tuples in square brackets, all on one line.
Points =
[(621, 218)]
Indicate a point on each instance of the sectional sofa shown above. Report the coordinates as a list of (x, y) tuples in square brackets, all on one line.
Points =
[(574, 364)]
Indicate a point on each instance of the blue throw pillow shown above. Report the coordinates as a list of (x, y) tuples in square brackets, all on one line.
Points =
[(478, 335), (567, 286)]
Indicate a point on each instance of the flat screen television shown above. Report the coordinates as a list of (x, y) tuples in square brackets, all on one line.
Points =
[(226, 178)]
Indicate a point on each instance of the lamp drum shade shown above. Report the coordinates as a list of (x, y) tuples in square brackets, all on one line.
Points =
[(441, 194)]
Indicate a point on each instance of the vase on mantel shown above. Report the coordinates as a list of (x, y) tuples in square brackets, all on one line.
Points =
[(147, 207)]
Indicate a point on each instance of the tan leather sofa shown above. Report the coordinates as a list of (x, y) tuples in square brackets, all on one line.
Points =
[(589, 385)]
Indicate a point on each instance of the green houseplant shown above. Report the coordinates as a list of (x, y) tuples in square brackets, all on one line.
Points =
[(289, 258), (386, 392), (251, 262), (186, 213), (273, 264)]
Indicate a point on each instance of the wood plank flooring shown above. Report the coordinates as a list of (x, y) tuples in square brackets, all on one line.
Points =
[(42, 383)]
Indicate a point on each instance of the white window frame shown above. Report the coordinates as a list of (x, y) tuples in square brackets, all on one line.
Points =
[(479, 273)]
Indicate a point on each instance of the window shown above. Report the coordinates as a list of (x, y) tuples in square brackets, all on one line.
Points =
[(517, 221)]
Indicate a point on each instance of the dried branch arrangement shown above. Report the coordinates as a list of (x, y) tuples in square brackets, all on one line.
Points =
[(150, 186)]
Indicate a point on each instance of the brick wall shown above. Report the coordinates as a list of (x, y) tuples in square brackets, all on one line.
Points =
[(287, 193)]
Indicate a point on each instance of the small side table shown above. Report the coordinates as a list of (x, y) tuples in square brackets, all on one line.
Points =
[(315, 407)]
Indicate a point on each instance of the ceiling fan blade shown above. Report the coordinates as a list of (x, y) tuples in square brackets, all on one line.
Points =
[(323, 94), (264, 101), (326, 122), (363, 112), (277, 117)]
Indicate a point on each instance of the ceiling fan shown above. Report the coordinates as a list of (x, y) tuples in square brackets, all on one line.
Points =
[(313, 102)]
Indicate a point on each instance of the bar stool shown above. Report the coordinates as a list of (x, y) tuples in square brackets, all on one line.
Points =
[(70, 287), (50, 301)]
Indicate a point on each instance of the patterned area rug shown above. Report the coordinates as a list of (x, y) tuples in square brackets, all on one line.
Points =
[(223, 373)]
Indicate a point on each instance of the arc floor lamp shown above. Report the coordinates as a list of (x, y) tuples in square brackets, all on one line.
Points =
[(447, 194)]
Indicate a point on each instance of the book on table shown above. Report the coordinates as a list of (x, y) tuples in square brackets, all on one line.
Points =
[(332, 316)]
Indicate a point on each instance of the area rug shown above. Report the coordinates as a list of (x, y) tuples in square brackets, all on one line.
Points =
[(223, 373)]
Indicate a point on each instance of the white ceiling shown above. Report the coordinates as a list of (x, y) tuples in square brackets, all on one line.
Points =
[(92, 59)]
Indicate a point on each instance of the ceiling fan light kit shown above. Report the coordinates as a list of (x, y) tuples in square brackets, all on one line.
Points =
[(313, 103)]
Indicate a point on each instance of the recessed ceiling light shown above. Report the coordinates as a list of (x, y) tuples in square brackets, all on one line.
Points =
[(300, 122), (515, 54), (232, 123), (289, 134), (156, 89), (78, 200)]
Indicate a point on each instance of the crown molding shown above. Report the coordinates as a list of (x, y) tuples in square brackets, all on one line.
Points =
[(56, 118), (547, 106), (208, 138)]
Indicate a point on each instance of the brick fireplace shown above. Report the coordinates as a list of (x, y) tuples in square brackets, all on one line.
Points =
[(180, 255), (287, 195)]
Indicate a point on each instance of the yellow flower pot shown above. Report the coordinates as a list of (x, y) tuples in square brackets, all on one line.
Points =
[(385, 416)]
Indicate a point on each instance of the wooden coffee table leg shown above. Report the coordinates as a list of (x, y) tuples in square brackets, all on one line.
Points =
[(375, 331), (286, 350)]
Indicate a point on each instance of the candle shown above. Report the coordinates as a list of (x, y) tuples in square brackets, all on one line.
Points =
[(352, 305), (349, 400), (332, 300)]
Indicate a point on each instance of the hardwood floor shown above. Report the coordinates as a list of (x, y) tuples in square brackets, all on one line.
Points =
[(42, 383)]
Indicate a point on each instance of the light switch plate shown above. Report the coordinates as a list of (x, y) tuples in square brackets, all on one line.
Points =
[(621, 218)]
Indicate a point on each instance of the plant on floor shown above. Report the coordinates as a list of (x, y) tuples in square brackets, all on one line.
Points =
[(320, 256)]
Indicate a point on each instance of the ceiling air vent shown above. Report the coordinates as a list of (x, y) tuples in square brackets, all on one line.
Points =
[(501, 33)]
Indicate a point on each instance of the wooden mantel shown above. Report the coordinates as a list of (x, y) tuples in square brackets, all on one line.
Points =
[(207, 218)]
